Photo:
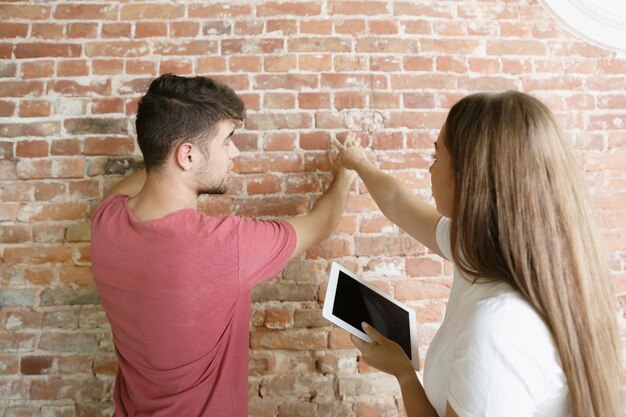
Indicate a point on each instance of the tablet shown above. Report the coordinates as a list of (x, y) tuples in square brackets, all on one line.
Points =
[(350, 301)]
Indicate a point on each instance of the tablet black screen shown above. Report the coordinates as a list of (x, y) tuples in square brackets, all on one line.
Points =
[(359, 303)]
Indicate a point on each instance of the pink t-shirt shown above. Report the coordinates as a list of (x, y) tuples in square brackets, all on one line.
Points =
[(176, 291)]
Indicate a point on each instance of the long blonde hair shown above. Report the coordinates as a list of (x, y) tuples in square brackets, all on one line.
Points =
[(521, 215)]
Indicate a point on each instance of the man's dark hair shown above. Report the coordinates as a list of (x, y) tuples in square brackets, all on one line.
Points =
[(177, 109)]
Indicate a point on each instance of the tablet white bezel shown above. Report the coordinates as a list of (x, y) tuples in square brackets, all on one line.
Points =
[(327, 311)]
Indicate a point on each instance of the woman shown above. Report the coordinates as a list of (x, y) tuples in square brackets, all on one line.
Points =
[(530, 328)]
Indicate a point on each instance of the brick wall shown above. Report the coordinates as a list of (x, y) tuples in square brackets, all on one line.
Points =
[(71, 74)]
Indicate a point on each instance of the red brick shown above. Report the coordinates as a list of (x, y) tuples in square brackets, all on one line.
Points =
[(252, 101), (451, 64), (48, 31), (486, 65), (35, 255), (73, 68), (245, 63), (76, 275), (6, 49), (108, 146), (6, 151), (41, 50), (263, 184), (317, 140), (84, 12), (414, 289), (350, 27), (48, 191), (314, 100), (319, 44), (211, 64), (348, 100), (152, 11), (84, 190), (418, 100), (387, 140), (15, 234), (278, 121), (107, 106), (61, 168), (421, 10), (117, 49), (317, 27), (510, 47), (419, 82), (13, 30), (295, 339), (82, 30), (357, 8), (253, 46), (387, 45), (384, 100), (24, 11), (184, 29), (78, 89), (116, 30), (279, 100), (34, 108), (382, 27), (39, 276), (350, 63), (418, 27), (272, 206), (8, 211), (317, 62), (150, 29), (176, 66), (249, 27), (353, 81), (283, 63), (385, 63), (37, 69), (271, 9), (219, 10), (285, 81), (65, 147), (268, 162), (11, 130), (21, 88), (418, 64), (36, 365), (304, 183), (31, 148), (279, 141), (6, 109), (284, 26), (328, 120)]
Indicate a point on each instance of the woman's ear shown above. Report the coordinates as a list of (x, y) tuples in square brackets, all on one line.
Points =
[(185, 156)]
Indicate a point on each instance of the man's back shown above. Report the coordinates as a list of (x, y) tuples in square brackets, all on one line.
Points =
[(177, 293)]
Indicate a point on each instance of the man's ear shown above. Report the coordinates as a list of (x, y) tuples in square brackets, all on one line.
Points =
[(185, 156)]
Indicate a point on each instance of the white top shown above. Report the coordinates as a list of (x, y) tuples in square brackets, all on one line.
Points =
[(493, 355)]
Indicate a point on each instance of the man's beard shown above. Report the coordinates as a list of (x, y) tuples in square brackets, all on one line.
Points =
[(215, 189), (219, 188)]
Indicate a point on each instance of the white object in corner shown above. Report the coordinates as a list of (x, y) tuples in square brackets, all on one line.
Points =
[(601, 22)]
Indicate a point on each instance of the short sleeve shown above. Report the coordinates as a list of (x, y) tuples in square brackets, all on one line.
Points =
[(442, 234), (498, 366), (265, 247)]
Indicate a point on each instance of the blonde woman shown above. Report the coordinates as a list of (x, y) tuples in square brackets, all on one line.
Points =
[(530, 328)]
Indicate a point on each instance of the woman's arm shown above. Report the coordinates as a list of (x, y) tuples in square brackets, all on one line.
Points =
[(387, 356), (394, 198)]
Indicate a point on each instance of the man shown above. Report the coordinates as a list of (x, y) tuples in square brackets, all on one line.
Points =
[(175, 283)]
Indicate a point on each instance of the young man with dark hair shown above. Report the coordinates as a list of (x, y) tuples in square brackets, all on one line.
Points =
[(174, 283)]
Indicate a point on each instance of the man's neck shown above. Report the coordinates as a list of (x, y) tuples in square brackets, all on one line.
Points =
[(162, 195)]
